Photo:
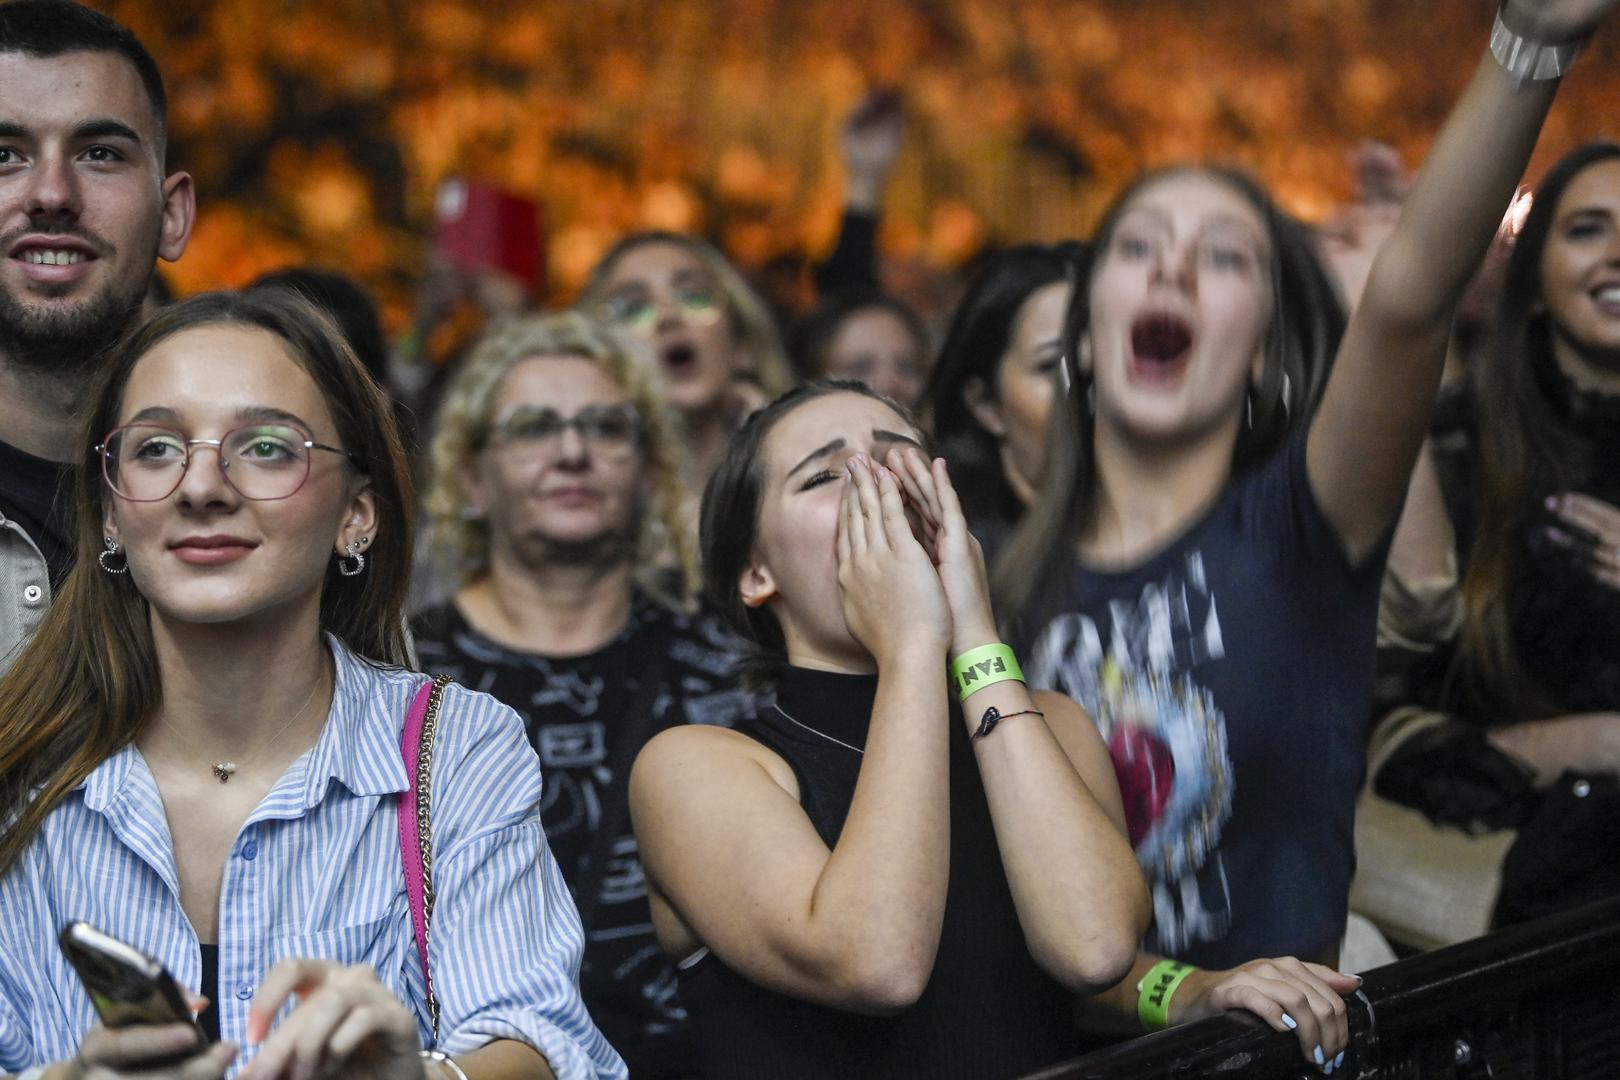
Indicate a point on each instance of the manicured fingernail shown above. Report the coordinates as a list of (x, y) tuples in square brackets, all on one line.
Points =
[(1558, 536), (1338, 1061), (1552, 502), (1321, 1058), (1288, 1021)]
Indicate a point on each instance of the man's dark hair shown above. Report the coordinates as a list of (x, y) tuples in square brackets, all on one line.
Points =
[(46, 28)]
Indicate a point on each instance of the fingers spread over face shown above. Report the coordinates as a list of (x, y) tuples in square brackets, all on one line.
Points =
[(853, 522), (897, 529), (950, 507), (864, 475), (911, 469)]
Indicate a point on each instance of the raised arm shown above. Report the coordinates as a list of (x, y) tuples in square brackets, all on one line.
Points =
[(732, 856), (870, 143), (1367, 432), (1080, 897)]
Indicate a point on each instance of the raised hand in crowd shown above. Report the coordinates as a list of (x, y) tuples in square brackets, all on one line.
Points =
[(870, 140)]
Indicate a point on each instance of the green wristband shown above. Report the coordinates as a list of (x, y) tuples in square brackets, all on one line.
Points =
[(1153, 993), (978, 668)]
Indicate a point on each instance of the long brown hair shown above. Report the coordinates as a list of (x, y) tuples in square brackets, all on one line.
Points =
[(1526, 452), (88, 681), (1300, 342)]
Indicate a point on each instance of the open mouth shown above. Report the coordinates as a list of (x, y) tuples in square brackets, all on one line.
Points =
[(679, 358), (1160, 344), (1608, 298)]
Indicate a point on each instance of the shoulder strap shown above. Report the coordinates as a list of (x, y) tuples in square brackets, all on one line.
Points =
[(638, 726), (415, 824)]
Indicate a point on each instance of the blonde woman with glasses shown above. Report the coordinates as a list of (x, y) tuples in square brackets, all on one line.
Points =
[(554, 485)]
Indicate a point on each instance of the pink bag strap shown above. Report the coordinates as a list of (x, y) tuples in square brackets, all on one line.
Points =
[(415, 822)]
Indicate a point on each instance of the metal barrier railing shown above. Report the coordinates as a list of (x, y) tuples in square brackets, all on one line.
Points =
[(1541, 1000)]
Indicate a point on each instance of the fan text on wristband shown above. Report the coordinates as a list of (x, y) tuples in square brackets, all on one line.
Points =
[(978, 668)]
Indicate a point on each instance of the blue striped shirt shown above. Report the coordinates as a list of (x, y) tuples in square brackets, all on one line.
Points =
[(316, 872)]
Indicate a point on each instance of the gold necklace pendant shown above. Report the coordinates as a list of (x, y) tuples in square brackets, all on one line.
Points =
[(224, 770)]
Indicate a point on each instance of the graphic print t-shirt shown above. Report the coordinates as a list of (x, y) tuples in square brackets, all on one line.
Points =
[(574, 709), (1231, 676)]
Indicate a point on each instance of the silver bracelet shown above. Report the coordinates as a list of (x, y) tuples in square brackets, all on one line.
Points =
[(1527, 60), (439, 1057)]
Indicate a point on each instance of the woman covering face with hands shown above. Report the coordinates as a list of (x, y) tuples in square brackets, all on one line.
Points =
[(200, 752), (888, 872)]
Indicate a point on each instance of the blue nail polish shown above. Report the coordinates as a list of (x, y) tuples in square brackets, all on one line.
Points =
[(1289, 1022), (1321, 1059), (1338, 1061)]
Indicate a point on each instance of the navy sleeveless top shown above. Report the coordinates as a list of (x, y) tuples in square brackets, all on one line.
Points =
[(988, 1011)]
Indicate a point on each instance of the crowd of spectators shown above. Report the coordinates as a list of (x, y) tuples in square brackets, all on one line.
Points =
[(680, 729)]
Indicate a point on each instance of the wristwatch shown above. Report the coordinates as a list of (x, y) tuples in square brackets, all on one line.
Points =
[(1526, 59)]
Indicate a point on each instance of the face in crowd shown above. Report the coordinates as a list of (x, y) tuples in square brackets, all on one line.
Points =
[(562, 473), (1181, 299), (1017, 409), (231, 488), (85, 208), (875, 346), (794, 567), (1580, 272), (665, 297)]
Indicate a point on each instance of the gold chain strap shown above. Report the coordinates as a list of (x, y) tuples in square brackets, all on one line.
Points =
[(424, 824)]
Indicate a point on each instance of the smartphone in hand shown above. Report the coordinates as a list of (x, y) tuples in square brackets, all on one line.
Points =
[(126, 986)]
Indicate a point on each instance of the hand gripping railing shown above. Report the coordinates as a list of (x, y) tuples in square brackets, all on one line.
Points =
[(1541, 1001)]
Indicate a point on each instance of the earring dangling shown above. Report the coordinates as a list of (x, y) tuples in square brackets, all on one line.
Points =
[(1286, 386), (112, 549), (352, 552), (1248, 408)]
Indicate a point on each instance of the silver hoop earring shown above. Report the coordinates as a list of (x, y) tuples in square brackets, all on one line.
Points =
[(112, 549), (1248, 408), (1286, 387), (352, 552)]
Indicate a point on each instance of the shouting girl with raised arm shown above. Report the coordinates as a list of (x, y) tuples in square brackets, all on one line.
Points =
[(1201, 569)]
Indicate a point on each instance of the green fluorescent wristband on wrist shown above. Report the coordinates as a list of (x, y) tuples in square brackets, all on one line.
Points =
[(1153, 993), (978, 668)]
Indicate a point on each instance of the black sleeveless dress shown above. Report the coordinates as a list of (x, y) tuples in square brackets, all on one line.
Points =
[(988, 1011)]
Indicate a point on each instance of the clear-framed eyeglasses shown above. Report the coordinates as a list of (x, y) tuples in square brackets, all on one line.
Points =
[(611, 431), (638, 310), (262, 462)]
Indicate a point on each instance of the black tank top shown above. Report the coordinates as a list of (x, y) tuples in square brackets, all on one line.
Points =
[(988, 1011)]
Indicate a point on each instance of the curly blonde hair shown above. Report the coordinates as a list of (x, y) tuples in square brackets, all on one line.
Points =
[(666, 567), (758, 340)]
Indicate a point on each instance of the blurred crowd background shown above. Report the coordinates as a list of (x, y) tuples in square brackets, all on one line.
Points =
[(321, 131)]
